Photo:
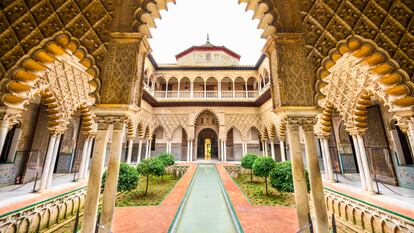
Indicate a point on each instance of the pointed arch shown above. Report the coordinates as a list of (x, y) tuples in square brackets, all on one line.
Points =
[(356, 70), (61, 71), (194, 118)]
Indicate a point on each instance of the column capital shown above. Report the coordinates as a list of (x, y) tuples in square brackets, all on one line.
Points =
[(308, 123), (356, 131)]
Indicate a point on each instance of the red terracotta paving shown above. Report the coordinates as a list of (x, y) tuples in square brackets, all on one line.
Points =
[(258, 219), (153, 219)]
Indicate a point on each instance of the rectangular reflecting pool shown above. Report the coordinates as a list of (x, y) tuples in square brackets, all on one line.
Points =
[(205, 208)]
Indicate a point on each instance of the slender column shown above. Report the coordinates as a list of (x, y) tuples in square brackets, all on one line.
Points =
[(146, 149), (14, 144), (298, 172), (221, 151), (266, 148), (245, 85), (178, 91), (243, 152), (88, 157), (166, 89), (411, 134), (282, 150), (94, 182), (47, 163), (263, 149), (188, 151), (327, 156), (225, 150), (4, 128), (139, 151), (149, 148), (317, 194), (234, 90), (359, 161), (111, 181), (219, 89), (191, 150), (272, 150), (53, 162), (365, 165), (83, 159), (129, 152), (191, 90), (205, 89)]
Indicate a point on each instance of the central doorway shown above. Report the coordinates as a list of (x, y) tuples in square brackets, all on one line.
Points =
[(207, 145)]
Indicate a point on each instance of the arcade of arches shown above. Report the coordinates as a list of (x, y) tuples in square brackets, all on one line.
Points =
[(332, 92)]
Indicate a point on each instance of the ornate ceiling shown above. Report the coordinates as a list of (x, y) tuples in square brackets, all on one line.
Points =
[(25, 23), (389, 23)]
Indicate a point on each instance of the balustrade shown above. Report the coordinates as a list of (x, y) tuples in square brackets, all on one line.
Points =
[(205, 94)]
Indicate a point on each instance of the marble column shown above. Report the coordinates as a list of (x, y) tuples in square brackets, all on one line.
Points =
[(15, 143), (149, 148), (139, 151), (359, 163), (146, 149), (282, 150), (327, 157), (315, 178), (188, 151), (365, 165), (298, 172), (48, 161), (53, 162), (95, 178), (266, 148), (111, 181), (411, 134), (4, 128), (129, 152), (88, 157), (225, 151), (83, 159), (263, 149), (272, 150), (243, 150)]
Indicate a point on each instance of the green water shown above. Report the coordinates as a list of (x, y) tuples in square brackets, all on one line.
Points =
[(205, 209)]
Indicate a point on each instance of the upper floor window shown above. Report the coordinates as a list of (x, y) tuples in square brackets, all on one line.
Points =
[(208, 56)]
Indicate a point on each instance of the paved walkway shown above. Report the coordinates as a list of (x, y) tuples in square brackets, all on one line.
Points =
[(258, 219), (154, 219), (396, 199), (13, 197)]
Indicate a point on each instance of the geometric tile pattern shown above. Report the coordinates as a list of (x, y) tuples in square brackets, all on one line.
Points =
[(389, 23)]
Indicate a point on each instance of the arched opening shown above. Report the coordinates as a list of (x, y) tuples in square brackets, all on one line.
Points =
[(226, 88), (179, 143), (198, 88), (159, 142), (266, 78), (160, 87), (252, 87), (207, 123), (172, 89), (239, 88), (402, 146), (8, 154), (185, 86), (253, 141), (207, 145), (234, 145), (211, 88)]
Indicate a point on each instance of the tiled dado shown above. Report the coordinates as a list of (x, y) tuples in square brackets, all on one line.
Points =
[(44, 214), (353, 215)]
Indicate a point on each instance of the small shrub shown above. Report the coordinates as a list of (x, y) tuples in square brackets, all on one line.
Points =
[(247, 163), (167, 159), (128, 178), (150, 167), (262, 167), (281, 177)]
